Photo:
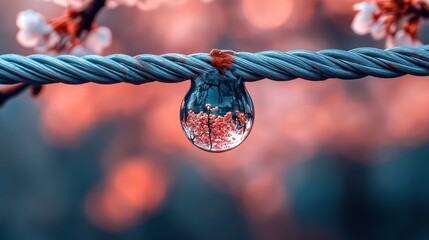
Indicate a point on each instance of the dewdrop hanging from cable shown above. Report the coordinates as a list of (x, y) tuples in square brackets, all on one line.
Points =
[(217, 112)]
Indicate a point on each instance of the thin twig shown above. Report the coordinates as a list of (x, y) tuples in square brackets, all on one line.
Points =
[(11, 91), (89, 14)]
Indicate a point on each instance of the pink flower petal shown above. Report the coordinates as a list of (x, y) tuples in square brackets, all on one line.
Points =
[(27, 39), (98, 39), (45, 46), (378, 29), (32, 21), (401, 38), (364, 19)]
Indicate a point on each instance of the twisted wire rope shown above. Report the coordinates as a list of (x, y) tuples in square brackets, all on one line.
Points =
[(171, 68)]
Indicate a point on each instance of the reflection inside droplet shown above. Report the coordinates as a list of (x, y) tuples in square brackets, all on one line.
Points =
[(217, 113)]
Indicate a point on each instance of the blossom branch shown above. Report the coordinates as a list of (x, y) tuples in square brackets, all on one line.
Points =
[(55, 35), (396, 20)]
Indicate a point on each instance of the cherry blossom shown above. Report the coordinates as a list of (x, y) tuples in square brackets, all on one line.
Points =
[(59, 36), (67, 34), (401, 38), (365, 19), (397, 21), (35, 32), (94, 43)]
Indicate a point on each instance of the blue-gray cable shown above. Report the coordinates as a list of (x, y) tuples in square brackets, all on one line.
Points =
[(170, 68)]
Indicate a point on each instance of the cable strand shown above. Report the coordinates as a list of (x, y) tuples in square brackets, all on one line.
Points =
[(171, 68)]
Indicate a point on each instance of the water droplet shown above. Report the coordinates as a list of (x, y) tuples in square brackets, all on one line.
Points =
[(217, 112)]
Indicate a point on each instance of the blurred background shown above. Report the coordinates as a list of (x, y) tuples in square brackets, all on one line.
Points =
[(325, 160)]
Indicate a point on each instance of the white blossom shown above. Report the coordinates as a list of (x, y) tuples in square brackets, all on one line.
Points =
[(379, 29), (364, 20), (94, 42), (34, 31), (370, 19), (401, 38)]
